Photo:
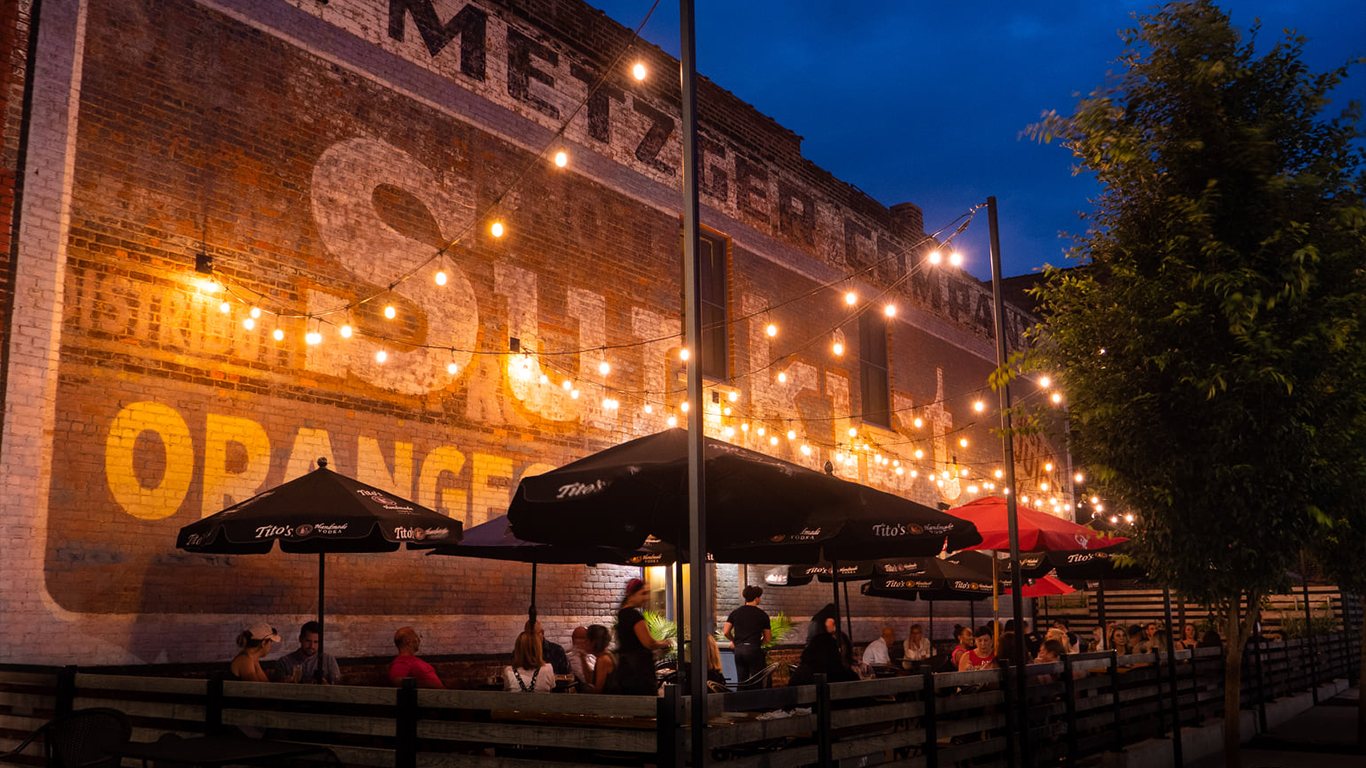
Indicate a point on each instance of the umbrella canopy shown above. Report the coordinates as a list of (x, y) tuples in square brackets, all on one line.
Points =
[(321, 511), (1045, 586), (494, 540), (964, 576), (1038, 531), (759, 509)]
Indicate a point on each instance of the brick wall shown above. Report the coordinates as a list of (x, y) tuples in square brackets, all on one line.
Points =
[(316, 158)]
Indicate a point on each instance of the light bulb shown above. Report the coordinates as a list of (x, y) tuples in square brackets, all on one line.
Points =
[(792, 434), (940, 483), (440, 277), (979, 406), (889, 310), (1044, 381), (896, 462), (771, 330), (604, 369), (673, 421), (838, 348), (346, 331), (381, 356), (901, 470), (935, 257), (761, 431), (684, 407), (1114, 519), (956, 258), (607, 403), (561, 159), (963, 472), (999, 474), (638, 71), (782, 377), (914, 474), (733, 396), (496, 229), (728, 431), (225, 307), (1095, 499), (574, 394), (962, 442), (744, 427), (1043, 487), (255, 312), (972, 489), (806, 449), (773, 440), (1048, 466), (1079, 477), (649, 408), (725, 411), (313, 337), (853, 431), (919, 422), (1100, 507), (452, 368), (1057, 397), (684, 354), (249, 324), (1128, 518), (568, 385), (919, 454), (850, 298), (545, 379)]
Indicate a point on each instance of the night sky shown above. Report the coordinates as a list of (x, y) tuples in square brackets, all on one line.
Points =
[(924, 102)]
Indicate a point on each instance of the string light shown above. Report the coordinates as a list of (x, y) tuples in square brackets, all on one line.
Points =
[(390, 312), (935, 257), (1044, 381), (638, 71), (440, 277), (919, 454), (771, 330), (1079, 477), (901, 470), (225, 307), (838, 348), (889, 310), (919, 422), (255, 312), (956, 258), (725, 411), (733, 396), (1043, 487), (604, 368), (850, 298), (346, 331), (761, 431), (684, 354), (782, 377), (496, 229), (744, 427), (249, 324), (568, 385), (962, 442), (684, 407), (1057, 397), (728, 431), (853, 431), (773, 440), (574, 394), (313, 337), (545, 379), (561, 159), (999, 474), (806, 449), (649, 408), (914, 474), (452, 368), (673, 421), (1048, 466), (381, 356), (791, 434), (979, 406)]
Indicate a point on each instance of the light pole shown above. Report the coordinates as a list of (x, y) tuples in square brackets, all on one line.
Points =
[(1008, 449)]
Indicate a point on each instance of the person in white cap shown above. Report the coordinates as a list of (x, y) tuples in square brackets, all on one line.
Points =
[(254, 642)]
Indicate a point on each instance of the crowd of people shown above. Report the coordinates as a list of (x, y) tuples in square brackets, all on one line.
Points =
[(597, 665)]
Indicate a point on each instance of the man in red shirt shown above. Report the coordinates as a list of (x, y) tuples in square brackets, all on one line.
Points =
[(407, 664)]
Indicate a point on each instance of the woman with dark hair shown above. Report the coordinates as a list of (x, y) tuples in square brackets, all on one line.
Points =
[(529, 671), (254, 644), (983, 654), (604, 681), (821, 656), (965, 642), (635, 645)]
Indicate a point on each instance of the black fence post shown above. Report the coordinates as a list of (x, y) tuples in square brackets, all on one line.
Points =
[(405, 725), (1012, 715), (824, 738), (669, 725), (1114, 701), (213, 706), (1069, 695), (931, 728), (66, 690), (1161, 707), (1261, 691)]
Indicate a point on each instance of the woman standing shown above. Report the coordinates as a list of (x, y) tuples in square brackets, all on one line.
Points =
[(254, 644), (635, 645)]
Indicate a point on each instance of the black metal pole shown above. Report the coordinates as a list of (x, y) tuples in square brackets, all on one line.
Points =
[(697, 499), (1309, 633), (322, 628), (848, 616), (835, 586), (531, 611), (1100, 614), (1171, 673), (1008, 448)]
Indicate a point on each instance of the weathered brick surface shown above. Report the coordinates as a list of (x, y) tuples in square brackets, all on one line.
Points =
[(319, 153)]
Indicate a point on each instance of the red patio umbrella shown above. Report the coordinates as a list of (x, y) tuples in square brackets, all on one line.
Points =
[(1047, 585), (1039, 531)]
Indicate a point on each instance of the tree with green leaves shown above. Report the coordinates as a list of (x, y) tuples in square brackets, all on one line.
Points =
[(1212, 324)]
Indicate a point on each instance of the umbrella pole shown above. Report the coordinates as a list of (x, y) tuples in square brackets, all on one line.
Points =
[(996, 605), (972, 615), (531, 612), (322, 631), (1100, 613), (848, 614)]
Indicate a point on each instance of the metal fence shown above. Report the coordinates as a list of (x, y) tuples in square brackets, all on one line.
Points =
[(1081, 706)]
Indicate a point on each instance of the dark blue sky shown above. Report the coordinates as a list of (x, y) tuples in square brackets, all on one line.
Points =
[(924, 102)]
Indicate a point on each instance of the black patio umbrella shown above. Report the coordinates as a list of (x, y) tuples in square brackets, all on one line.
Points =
[(494, 540), (964, 576), (759, 509), (321, 512)]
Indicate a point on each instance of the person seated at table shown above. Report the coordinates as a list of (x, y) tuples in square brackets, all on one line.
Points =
[(529, 671), (1073, 642), (1005, 654), (604, 661), (1189, 638), (553, 653), (1119, 640), (1061, 635), (982, 655), (1211, 639), (303, 665), (878, 652), (1051, 651), (1137, 642), (715, 673), (822, 656), (965, 640), (581, 659), (1159, 643), (916, 648), (406, 664), (254, 643)]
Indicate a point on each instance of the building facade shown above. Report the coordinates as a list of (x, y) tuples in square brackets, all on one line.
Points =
[(192, 188)]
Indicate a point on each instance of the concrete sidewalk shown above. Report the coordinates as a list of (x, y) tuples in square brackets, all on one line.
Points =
[(1321, 737)]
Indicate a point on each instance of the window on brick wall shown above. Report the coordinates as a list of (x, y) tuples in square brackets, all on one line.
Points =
[(715, 328), (874, 383)]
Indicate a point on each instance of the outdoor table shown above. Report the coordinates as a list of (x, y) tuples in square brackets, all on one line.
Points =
[(213, 750)]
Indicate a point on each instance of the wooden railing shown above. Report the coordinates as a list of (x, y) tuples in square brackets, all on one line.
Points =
[(1083, 705)]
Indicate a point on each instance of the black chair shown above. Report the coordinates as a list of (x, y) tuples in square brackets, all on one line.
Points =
[(758, 679), (81, 739)]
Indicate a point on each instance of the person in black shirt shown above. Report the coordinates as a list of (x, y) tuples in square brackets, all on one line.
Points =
[(749, 629)]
